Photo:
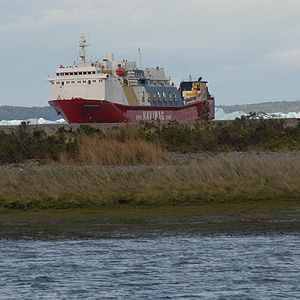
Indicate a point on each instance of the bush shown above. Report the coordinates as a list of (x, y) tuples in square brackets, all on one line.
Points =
[(242, 134)]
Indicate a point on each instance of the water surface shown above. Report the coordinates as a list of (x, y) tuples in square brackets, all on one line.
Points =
[(181, 266)]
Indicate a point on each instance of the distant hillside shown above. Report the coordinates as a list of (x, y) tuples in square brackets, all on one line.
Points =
[(24, 113), (267, 107)]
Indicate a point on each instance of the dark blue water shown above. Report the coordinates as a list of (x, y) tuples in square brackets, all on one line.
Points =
[(177, 267)]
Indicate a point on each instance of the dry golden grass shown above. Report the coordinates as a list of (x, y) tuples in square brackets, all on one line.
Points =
[(220, 179), (122, 133), (114, 152)]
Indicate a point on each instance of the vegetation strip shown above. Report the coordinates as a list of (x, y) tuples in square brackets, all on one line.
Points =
[(217, 179), (137, 167), (243, 134)]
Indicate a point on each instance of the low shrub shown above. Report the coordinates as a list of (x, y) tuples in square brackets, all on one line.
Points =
[(146, 143)]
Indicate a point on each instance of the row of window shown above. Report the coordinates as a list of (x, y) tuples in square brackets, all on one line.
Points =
[(76, 73), (79, 81), (160, 96)]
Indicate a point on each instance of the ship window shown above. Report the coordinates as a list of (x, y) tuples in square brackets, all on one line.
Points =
[(80, 73), (57, 82), (154, 96), (71, 73), (66, 74), (89, 72), (75, 73), (83, 81), (84, 73), (72, 81), (89, 82), (94, 72), (170, 97), (61, 74), (94, 80), (148, 96), (67, 82), (79, 81), (159, 96), (52, 82), (165, 96), (62, 83), (175, 97), (100, 80), (57, 74)]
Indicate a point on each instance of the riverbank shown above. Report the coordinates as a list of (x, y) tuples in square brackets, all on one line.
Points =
[(216, 176), (250, 194), (247, 218)]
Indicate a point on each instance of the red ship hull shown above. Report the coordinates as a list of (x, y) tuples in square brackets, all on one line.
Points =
[(102, 111)]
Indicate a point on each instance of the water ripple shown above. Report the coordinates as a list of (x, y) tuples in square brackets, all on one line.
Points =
[(176, 267)]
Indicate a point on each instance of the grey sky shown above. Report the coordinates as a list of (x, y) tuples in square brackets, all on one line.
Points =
[(249, 51)]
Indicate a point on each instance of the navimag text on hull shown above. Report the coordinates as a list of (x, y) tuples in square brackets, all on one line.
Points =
[(111, 91)]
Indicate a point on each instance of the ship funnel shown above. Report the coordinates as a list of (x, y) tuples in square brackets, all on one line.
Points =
[(110, 56)]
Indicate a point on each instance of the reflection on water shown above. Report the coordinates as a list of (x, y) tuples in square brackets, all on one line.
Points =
[(183, 266)]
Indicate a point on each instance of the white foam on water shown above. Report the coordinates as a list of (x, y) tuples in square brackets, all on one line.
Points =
[(34, 121), (221, 115)]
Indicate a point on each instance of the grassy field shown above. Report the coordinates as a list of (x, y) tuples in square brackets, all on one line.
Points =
[(206, 180)]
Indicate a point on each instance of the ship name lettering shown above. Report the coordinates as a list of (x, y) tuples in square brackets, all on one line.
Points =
[(153, 115)]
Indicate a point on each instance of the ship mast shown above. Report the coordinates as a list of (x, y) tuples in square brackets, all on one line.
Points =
[(82, 45), (140, 58)]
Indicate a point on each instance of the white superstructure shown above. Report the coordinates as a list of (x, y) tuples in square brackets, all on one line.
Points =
[(115, 81)]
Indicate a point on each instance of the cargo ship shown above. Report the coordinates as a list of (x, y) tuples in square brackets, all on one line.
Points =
[(110, 91)]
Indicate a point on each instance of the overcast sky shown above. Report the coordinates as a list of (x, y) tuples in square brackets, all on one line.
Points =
[(248, 51)]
